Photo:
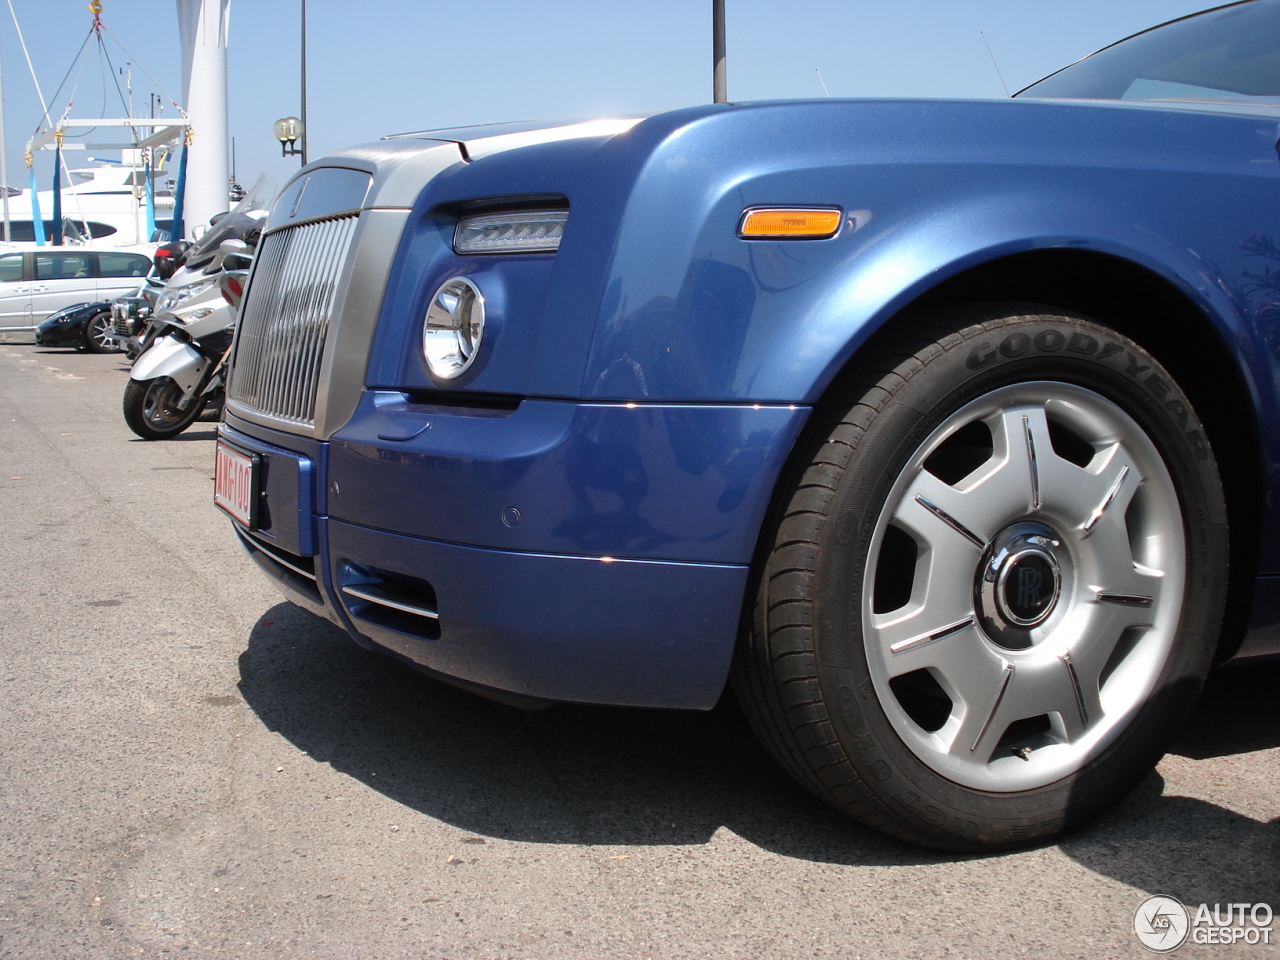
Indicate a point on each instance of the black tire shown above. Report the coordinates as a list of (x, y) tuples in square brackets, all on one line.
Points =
[(97, 335), (151, 408), (212, 412), (973, 625)]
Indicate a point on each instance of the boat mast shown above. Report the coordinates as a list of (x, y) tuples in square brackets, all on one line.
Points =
[(4, 168)]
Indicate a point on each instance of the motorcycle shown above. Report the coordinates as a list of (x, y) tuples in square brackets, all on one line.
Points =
[(181, 370)]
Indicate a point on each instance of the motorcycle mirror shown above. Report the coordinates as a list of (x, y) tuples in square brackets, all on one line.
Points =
[(237, 260), (228, 247)]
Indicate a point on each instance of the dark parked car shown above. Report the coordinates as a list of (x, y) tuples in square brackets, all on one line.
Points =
[(948, 431), (84, 326)]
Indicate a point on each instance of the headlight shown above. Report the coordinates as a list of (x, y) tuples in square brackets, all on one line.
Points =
[(175, 298), (453, 328), (526, 231)]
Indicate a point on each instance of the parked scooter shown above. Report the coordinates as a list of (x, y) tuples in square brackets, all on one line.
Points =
[(182, 371)]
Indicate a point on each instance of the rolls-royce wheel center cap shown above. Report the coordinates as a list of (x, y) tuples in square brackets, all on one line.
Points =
[(1019, 583)]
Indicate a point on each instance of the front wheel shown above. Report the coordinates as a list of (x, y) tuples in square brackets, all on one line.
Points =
[(98, 335), (151, 408), (994, 587)]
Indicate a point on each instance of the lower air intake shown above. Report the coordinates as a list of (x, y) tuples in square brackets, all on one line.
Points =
[(391, 600)]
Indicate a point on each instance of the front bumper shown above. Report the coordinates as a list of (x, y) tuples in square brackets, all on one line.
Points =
[(61, 334), (525, 553)]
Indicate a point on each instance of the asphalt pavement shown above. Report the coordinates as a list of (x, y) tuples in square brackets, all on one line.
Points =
[(190, 766)]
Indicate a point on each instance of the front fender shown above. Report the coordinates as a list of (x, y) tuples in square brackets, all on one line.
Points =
[(688, 311), (170, 357)]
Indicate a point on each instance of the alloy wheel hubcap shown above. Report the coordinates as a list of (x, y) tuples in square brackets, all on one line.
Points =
[(1024, 586)]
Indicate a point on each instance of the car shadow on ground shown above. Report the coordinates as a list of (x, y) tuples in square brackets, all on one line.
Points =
[(1190, 848), (1182, 847), (569, 774), (607, 776), (1238, 712), (199, 430)]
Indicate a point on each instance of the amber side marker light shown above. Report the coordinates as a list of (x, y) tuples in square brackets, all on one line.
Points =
[(795, 223)]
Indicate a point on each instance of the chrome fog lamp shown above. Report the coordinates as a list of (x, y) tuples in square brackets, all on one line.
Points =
[(524, 231), (453, 328)]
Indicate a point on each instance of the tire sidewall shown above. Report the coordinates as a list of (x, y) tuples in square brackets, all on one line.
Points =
[(135, 415), (956, 370)]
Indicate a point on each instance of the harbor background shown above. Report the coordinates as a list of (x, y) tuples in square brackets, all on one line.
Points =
[(396, 66)]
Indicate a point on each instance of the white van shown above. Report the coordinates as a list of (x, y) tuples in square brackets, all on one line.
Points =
[(35, 283)]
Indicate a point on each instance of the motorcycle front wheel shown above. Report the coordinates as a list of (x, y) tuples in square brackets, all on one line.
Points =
[(151, 408)]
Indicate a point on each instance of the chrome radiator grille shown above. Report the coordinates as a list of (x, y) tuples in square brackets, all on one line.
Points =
[(286, 316)]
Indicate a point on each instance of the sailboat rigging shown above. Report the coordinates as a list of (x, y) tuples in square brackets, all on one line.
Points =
[(123, 202)]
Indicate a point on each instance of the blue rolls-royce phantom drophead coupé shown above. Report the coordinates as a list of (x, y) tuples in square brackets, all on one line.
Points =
[(946, 432)]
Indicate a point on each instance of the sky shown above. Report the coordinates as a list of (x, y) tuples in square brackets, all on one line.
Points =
[(377, 67)]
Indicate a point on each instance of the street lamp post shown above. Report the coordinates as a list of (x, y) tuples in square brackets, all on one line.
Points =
[(304, 82), (719, 79), (289, 131)]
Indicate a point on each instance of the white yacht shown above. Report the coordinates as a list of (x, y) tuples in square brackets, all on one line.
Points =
[(103, 204)]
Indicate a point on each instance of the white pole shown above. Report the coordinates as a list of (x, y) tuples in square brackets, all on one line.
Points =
[(4, 171), (203, 28)]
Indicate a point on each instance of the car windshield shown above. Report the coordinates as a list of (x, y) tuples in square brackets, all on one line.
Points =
[(1229, 54)]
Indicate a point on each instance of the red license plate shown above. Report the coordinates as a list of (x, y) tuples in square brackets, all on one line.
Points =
[(235, 484)]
